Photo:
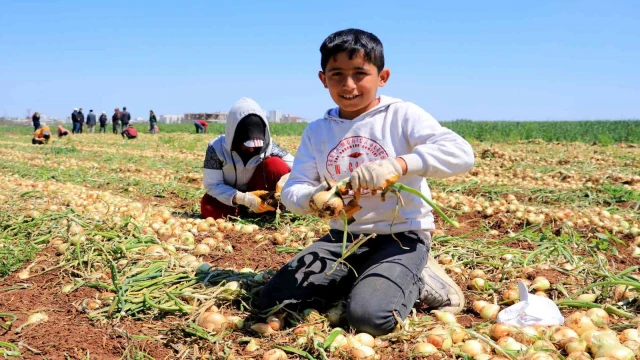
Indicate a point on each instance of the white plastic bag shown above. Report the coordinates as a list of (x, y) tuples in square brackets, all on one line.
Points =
[(531, 310)]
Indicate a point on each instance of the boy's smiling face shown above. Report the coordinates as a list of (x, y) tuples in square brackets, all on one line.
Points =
[(353, 83)]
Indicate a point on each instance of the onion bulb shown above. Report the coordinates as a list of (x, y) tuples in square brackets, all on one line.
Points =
[(574, 345), (510, 296), (262, 329), (274, 354), (445, 317), (540, 283), (201, 249), (477, 273), (490, 311), (365, 339), (630, 334), (155, 251), (252, 346), (423, 349), (579, 355), (579, 322), (477, 284), (33, 319), (472, 348), (497, 331), (563, 333), (598, 316), (212, 321), (615, 351), (274, 323), (362, 352), (327, 203), (339, 342), (478, 305), (587, 297)]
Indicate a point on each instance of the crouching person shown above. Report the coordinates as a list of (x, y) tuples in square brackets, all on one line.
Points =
[(243, 164), (130, 132), (373, 141), (62, 131), (41, 136)]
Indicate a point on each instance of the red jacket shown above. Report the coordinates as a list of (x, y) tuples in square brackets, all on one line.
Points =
[(203, 123)]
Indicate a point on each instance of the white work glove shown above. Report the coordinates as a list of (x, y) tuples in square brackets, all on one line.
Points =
[(252, 201), (376, 175)]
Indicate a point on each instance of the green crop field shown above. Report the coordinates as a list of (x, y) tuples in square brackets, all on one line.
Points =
[(102, 237)]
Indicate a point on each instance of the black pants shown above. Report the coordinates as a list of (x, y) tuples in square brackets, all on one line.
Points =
[(103, 128), (37, 142), (388, 279)]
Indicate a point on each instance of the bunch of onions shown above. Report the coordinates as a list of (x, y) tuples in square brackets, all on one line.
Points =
[(580, 322)]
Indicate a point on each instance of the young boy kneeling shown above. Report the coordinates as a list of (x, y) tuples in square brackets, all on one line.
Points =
[(374, 141)]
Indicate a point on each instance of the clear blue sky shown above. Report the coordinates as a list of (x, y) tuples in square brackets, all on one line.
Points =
[(467, 59)]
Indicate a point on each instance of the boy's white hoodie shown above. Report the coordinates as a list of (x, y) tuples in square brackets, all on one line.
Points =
[(332, 148)]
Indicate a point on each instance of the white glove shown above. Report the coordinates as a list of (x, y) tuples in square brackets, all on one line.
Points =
[(252, 201), (376, 175)]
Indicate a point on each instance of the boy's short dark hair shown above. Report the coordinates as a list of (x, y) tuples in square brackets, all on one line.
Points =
[(353, 42)]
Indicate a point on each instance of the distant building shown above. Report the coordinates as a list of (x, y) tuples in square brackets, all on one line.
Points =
[(274, 116), (210, 117), (170, 119), (288, 118)]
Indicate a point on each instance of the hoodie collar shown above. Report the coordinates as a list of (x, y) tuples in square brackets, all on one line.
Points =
[(385, 101)]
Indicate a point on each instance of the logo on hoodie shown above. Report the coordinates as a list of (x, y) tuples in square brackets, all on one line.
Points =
[(352, 152)]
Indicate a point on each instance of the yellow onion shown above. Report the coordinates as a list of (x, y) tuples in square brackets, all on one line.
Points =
[(262, 328), (490, 311), (579, 322), (563, 333), (574, 345), (477, 273), (540, 283), (365, 339), (615, 351), (423, 349), (440, 338), (587, 297), (510, 296), (274, 354), (445, 317), (472, 348), (274, 323), (338, 342), (539, 355), (235, 322), (497, 331), (630, 334), (526, 335), (478, 305), (155, 251), (362, 352), (477, 284), (328, 203), (633, 346), (201, 249), (579, 355), (252, 346), (458, 333), (212, 321)]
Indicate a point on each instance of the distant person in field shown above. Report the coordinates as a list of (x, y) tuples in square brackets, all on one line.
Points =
[(153, 122), (243, 164), (62, 131), (125, 117), (91, 122), (80, 120), (130, 132), (41, 135), (201, 126), (36, 120), (115, 119), (74, 121), (103, 122), (373, 141)]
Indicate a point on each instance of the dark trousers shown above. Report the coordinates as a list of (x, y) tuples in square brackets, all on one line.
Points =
[(103, 128), (265, 177), (116, 128), (388, 279), (199, 128), (36, 126), (77, 128), (37, 142)]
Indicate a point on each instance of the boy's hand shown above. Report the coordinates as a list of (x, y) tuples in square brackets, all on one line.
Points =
[(281, 182), (376, 175), (253, 202)]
